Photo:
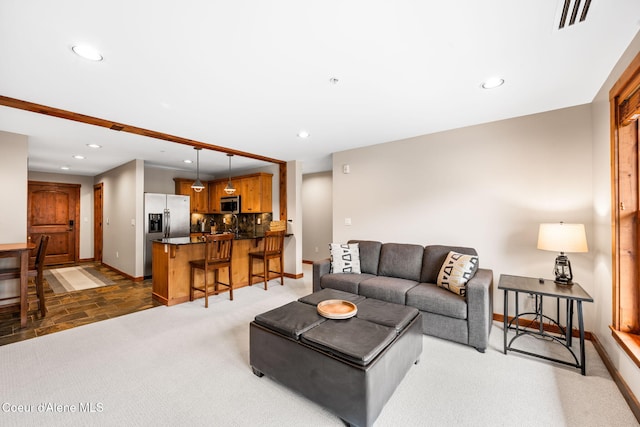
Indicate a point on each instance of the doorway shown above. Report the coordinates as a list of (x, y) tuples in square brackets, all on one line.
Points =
[(98, 192), (54, 209)]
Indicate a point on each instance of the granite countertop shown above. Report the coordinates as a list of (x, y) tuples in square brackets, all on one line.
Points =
[(199, 239)]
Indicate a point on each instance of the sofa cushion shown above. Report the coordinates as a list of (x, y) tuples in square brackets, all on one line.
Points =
[(401, 260), (345, 258), (434, 256), (432, 299), (456, 271), (369, 255), (390, 289), (344, 282)]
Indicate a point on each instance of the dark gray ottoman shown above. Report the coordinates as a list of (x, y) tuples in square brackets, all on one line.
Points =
[(351, 366)]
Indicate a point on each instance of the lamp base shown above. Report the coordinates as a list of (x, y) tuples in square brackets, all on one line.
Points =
[(562, 270), (563, 281)]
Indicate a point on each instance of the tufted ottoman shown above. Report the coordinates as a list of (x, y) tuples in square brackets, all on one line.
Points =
[(352, 366)]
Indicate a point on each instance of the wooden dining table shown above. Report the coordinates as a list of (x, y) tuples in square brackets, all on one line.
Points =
[(21, 252)]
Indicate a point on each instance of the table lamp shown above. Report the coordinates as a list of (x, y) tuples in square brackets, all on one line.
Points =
[(561, 237)]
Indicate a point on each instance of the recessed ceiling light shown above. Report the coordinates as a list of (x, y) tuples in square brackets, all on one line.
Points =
[(303, 134), (94, 146), (188, 161), (492, 83), (65, 168), (79, 157), (87, 52)]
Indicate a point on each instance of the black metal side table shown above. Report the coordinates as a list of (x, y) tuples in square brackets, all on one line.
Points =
[(544, 288)]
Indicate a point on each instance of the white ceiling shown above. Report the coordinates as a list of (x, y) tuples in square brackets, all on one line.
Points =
[(250, 74)]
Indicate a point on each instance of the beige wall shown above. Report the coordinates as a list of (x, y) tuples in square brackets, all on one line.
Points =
[(86, 205), (123, 217), (13, 216), (13, 175), (293, 244), (160, 180), (316, 215)]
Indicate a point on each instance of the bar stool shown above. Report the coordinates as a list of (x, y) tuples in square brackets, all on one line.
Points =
[(273, 248), (217, 255)]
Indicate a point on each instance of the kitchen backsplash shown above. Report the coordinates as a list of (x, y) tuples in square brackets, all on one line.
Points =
[(246, 223)]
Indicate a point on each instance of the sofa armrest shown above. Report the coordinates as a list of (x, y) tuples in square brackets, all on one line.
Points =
[(480, 308), (320, 268)]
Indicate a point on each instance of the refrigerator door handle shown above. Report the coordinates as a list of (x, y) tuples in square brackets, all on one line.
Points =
[(167, 221)]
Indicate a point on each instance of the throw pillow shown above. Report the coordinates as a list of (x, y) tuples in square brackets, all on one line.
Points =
[(456, 271), (345, 257)]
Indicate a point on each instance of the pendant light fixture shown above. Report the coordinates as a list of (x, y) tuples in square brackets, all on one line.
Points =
[(229, 189), (197, 186)]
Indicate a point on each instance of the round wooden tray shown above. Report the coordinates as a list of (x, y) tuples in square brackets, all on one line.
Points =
[(337, 309)]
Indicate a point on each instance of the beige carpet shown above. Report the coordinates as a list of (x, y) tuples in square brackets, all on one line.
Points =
[(77, 278), (187, 365)]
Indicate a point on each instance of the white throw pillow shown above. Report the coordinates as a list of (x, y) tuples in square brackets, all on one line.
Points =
[(345, 257), (457, 269)]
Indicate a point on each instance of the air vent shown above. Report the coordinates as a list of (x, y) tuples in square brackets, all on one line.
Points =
[(573, 10), (116, 127)]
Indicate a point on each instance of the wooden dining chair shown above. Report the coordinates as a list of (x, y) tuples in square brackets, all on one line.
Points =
[(217, 255), (273, 248), (35, 270)]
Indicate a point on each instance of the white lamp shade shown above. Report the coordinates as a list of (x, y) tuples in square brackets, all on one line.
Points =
[(561, 237)]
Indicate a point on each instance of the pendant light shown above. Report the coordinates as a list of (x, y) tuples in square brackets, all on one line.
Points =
[(197, 186), (229, 189)]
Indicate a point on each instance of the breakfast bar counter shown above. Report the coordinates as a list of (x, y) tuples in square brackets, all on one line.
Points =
[(171, 274)]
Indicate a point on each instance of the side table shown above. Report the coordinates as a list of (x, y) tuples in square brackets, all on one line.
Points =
[(544, 288)]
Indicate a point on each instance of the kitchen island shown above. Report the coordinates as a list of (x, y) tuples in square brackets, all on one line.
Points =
[(171, 273)]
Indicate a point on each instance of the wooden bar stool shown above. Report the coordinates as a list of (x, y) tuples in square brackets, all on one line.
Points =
[(217, 255), (273, 248)]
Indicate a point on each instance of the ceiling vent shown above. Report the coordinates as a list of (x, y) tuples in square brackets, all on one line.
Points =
[(572, 11)]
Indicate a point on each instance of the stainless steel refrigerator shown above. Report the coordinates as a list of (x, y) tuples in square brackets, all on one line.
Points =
[(165, 215)]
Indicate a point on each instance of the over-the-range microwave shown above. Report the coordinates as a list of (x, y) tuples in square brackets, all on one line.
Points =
[(230, 204)]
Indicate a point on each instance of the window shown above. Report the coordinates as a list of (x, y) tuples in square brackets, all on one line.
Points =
[(625, 110)]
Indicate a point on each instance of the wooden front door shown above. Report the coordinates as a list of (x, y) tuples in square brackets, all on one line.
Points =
[(97, 222), (54, 209)]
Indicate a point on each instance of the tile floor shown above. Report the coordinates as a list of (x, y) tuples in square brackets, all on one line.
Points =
[(77, 308)]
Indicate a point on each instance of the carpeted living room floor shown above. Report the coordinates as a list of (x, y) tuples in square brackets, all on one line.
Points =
[(187, 365)]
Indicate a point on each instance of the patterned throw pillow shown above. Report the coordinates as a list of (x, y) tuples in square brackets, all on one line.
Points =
[(456, 271), (345, 258)]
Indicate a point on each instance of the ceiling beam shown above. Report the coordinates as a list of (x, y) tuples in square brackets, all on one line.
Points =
[(120, 127)]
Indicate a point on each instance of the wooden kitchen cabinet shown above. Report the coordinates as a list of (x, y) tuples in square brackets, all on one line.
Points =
[(216, 190), (199, 202), (254, 191)]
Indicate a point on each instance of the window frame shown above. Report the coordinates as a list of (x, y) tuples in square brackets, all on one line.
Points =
[(624, 288)]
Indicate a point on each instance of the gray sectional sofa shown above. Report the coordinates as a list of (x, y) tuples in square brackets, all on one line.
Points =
[(406, 274)]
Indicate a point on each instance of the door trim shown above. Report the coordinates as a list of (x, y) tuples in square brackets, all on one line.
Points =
[(98, 214)]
